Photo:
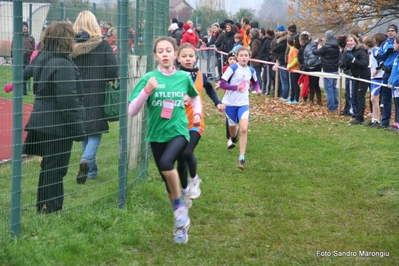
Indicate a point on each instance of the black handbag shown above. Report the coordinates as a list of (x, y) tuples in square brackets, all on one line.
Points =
[(111, 103)]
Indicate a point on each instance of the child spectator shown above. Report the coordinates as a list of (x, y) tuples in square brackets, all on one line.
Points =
[(376, 77), (293, 64), (189, 36), (237, 42)]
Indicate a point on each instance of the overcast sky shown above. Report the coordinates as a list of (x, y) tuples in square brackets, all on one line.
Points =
[(232, 6)]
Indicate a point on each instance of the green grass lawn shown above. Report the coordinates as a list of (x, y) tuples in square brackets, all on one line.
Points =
[(313, 188)]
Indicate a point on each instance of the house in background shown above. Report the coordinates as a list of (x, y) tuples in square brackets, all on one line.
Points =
[(180, 9)]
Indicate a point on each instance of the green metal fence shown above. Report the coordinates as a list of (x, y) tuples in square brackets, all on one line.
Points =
[(123, 154)]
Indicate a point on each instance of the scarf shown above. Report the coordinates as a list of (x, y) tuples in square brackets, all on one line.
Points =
[(192, 71)]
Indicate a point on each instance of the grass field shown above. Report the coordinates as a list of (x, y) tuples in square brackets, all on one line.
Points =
[(315, 191)]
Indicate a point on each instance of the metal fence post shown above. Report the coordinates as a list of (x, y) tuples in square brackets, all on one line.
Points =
[(62, 11), (94, 9), (15, 219), (147, 41), (123, 73)]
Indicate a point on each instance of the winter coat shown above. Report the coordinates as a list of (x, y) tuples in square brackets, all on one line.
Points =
[(264, 53), (360, 66), (273, 43), (247, 37), (241, 31), (228, 41), (213, 39), (28, 43), (58, 107), (97, 64), (255, 45), (279, 50), (219, 40), (191, 37), (385, 55), (329, 54), (311, 61), (301, 57), (177, 34), (199, 34)]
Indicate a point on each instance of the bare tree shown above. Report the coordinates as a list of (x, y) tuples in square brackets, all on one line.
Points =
[(341, 15)]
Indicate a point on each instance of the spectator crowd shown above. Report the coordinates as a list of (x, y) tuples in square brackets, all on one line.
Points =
[(300, 63)]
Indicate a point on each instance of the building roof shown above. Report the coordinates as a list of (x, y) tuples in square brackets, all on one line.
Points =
[(174, 3)]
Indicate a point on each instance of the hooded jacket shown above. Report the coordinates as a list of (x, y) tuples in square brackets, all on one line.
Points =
[(191, 37), (97, 64)]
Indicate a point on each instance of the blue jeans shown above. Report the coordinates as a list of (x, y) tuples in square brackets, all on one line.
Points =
[(90, 147), (258, 69), (330, 86), (284, 82)]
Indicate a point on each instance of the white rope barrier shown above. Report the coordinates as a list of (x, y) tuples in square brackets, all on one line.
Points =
[(338, 76), (315, 74)]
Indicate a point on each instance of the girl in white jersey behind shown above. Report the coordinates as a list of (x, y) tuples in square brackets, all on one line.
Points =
[(236, 81)]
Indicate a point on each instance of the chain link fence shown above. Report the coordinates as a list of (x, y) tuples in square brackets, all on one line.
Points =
[(123, 154)]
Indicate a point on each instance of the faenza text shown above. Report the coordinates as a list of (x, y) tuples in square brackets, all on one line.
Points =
[(360, 253)]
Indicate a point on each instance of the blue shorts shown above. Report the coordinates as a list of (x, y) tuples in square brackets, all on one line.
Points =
[(235, 113), (375, 88)]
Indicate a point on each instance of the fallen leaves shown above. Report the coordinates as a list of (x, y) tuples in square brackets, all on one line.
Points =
[(274, 111)]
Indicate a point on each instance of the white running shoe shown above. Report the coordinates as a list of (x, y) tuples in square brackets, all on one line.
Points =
[(230, 144), (181, 217), (181, 234), (187, 200), (195, 190)]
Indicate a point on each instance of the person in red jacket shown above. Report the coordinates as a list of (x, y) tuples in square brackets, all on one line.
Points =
[(189, 35)]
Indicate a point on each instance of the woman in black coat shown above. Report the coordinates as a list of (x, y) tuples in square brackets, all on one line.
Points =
[(356, 58), (97, 64), (228, 39), (57, 116), (279, 51)]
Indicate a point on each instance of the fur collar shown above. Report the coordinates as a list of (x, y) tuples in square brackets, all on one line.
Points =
[(282, 39), (86, 47)]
